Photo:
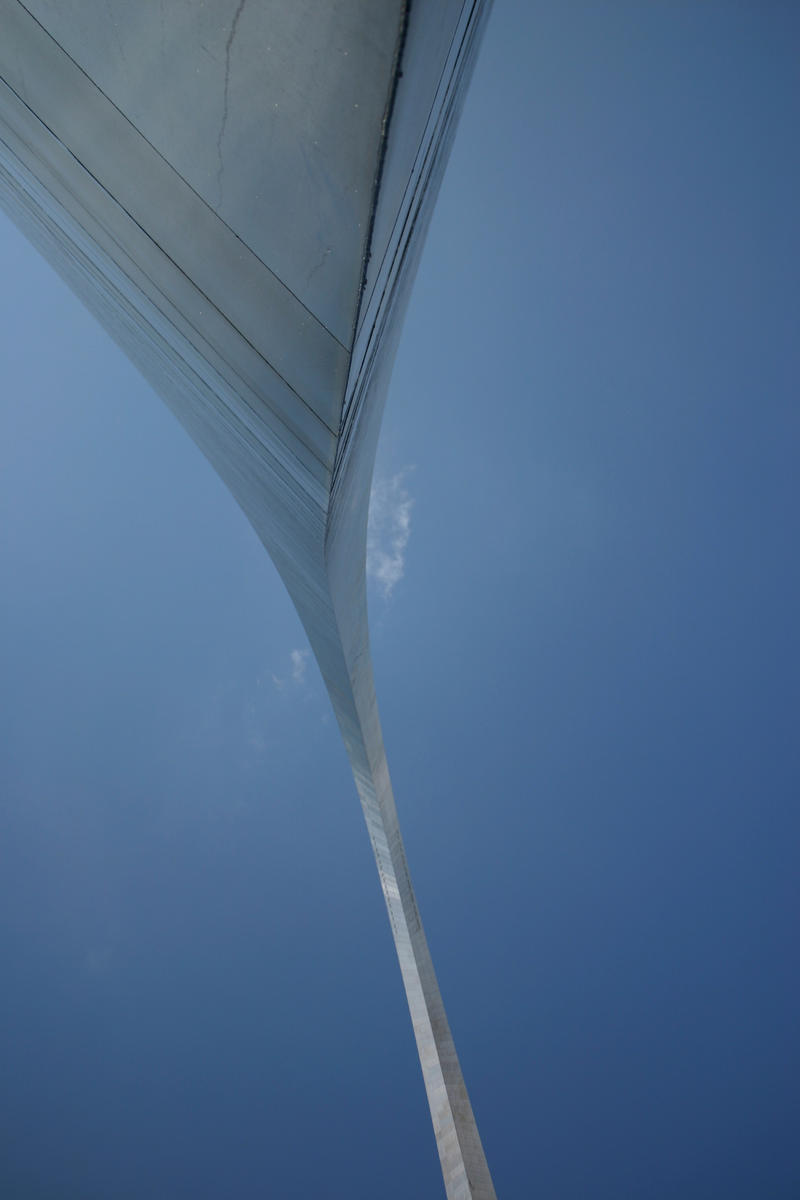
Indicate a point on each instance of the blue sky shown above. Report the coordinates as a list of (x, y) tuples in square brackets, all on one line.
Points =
[(585, 638)]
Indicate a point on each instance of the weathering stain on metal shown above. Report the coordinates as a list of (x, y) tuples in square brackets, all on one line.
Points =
[(240, 194)]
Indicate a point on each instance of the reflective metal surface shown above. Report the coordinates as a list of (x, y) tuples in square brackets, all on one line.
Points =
[(240, 193)]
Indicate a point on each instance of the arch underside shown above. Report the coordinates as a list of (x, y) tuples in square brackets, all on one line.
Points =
[(274, 353)]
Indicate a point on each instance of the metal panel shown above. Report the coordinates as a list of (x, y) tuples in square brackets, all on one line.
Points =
[(296, 91), (224, 331)]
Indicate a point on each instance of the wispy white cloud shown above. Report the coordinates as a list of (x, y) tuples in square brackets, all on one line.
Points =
[(297, 672), (388, 531), (299, 663)]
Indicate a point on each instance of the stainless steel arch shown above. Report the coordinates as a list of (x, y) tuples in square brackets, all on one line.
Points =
[(240, 194)]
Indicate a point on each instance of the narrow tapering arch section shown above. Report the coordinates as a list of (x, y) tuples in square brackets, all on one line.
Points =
[(246, 222)]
